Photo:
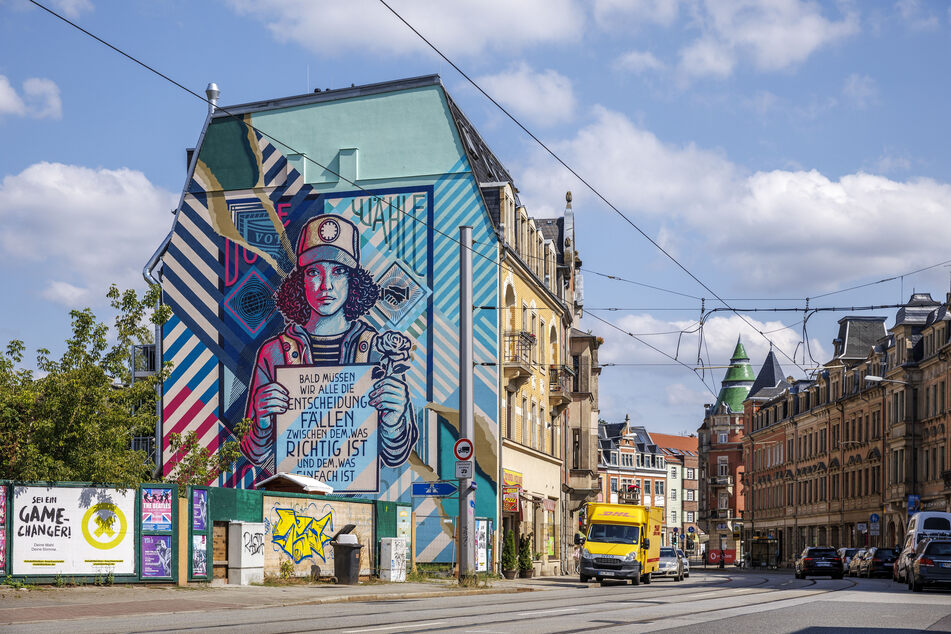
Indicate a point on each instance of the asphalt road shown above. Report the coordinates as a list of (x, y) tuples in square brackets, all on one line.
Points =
[(708, 602)]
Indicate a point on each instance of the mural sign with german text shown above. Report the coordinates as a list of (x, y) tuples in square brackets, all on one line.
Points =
[(329, 430)]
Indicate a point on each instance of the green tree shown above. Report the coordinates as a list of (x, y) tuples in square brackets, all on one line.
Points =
[(198, 466), (74, 419)]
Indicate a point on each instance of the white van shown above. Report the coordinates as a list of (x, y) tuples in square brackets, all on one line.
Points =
[(922, 524)]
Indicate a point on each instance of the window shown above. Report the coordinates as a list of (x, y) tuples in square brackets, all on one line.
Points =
[(673, 517), (613, 457), (647, 487), (689, 493), (613, 485), (534, 424), (722, 437), (673, 472), (689, 518), (691, 475), (659, 487), (627, 460), (724, 501), (723, 466), (673, 494)]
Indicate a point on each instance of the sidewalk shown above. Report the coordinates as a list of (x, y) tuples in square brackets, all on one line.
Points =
[(44, 603)]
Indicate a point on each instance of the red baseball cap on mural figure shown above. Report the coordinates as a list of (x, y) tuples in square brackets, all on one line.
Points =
[(329, 238)]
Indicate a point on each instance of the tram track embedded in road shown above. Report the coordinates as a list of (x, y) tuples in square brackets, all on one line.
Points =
[(606, 602)]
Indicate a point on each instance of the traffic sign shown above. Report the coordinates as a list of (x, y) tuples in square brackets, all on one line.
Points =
[(873, 518), (463, 469), (861, 527), (463, 449), (436, 489), (690, 529)]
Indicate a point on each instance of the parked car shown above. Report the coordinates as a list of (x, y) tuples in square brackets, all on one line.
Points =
[(923, 525), (878, 561), (932, 566), (670, 565), (819, 561), (856, 563), (686, 561), (846, 554)]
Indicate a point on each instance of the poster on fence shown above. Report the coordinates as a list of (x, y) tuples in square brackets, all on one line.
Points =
[(72, 530), (156, 556), (3, 528), (329, 431), (199, 555), (199, 510), (156, 509)]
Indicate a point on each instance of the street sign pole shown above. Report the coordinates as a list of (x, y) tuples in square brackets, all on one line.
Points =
[(466, 421)]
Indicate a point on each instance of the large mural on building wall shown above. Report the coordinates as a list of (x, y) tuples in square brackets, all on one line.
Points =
[(329, 317)]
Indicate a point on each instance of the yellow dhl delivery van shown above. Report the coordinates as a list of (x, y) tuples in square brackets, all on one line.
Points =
[(622, 541)]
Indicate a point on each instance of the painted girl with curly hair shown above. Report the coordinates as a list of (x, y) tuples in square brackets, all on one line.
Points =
[(322, 300)]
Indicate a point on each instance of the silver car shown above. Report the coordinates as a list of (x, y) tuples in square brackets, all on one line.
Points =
[(670, 565)]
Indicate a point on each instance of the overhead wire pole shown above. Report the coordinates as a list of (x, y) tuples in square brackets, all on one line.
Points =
[(466, 520)]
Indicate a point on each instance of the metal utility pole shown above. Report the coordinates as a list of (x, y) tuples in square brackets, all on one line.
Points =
[(467, 554)]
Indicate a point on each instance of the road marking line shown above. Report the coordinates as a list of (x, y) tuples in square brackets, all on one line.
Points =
[(404, 626), (547, 611)]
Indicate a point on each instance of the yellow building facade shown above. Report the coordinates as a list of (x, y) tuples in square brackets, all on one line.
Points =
[(534, 323)]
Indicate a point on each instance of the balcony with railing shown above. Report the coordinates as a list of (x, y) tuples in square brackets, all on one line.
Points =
[(559, 388), (518, 356)]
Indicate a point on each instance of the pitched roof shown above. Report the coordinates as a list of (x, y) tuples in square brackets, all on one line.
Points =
[(670, 441), (770, 375), (857, 335)]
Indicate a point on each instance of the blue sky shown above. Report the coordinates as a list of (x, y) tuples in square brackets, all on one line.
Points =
[(778, 149)]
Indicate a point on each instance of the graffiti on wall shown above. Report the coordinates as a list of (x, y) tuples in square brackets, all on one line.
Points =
[(299, 530), (301, 536)]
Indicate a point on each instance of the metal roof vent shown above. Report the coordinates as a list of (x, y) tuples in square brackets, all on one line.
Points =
[(212, 93)]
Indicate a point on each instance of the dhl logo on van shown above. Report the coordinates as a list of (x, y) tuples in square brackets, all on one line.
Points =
[(657, 529), (615, 514)]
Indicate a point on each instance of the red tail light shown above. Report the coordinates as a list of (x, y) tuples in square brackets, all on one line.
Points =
[(839, 559), (878, 561), (807, 559), (924, 561)]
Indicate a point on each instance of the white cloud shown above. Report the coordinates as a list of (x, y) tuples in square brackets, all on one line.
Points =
[(890, 163), (686, 388), (40, 99), (677, 394), (545, 97), (772, 34), (464, 27), (862, 90), (916, 17), (615, 14), (639, 62), (76, 229), (10, 101), (784, 226), (719, 340), (66, 294), (707, 57), (72, 8)]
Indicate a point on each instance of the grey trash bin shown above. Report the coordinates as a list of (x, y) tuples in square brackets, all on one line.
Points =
[(346, 556)]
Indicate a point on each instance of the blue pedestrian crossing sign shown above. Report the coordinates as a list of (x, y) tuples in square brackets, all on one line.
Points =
[(437, 489)]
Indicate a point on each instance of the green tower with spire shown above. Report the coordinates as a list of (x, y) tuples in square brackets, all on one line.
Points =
[(737, 382)]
